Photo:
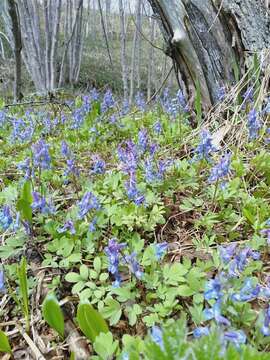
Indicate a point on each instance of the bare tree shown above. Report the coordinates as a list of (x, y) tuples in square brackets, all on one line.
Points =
[(17, 47), (205, 38), (123, 49)]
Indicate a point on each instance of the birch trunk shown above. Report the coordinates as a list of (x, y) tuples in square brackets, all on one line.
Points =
[(123, 49)]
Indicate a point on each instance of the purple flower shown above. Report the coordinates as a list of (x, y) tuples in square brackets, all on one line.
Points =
[(113, 252), (92, 225), (108, 101), (237, 337), (25, 166), (213, 289), (6, 219), (65, 151), (68, 226), (143, 140), (220, 170), (140, 101), (160, 250), (201, 331), (132, 192), (2, 282), (221, 93), (248, 292), (125, 107), (94, 95), (182, 101), (215, 313), (157, 336), (266, 324), (226, 253), (41, 155), (88, 202), (205, 147), (98, 166), (157, 127), (127, 154), (71, 169), (39, 203), (134, 265), (254, 125)]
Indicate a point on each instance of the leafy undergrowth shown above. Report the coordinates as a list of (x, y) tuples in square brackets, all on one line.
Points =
[(163, 228)]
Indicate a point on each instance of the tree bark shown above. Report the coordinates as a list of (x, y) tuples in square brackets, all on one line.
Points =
[(17, 48), (205, 38), (123, 49)]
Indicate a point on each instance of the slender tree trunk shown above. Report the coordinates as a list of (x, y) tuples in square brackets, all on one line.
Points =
[(123, 49), (150, 59), (134, 53), (17, 48), (206, 37)]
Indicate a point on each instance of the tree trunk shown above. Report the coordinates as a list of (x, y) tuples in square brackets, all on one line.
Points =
[(17, 48), (123, 49), (205, 38)]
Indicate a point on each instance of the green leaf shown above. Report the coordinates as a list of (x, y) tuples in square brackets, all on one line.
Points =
[(185, 290), (84, 273), (104, 346), (97, 264), (23, 289), (112, 310), (90, 321), (73, 277), (25, 201), (4, 343), (173, 274), (53, 314)]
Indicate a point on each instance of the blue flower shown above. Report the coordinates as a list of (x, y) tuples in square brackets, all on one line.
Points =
[(160, 250), (94, 95), (88, 202), (220, 170), (157, 336), (221, 93), (71, 169), (226, 253), (92, 225), (143, 140), (65, 151), (213, 289), (237, 337), (113, 252), (68, 226), (265, 329), (248, 292), (254, 125), (108, 101), (215, 313), (205, 147), (201, 331), (39, 203), (26, 167), (41, 155), (182, 101), (157, 127), (140, 101), (134, 265), (98, 166), (2, 282), (6, 219)]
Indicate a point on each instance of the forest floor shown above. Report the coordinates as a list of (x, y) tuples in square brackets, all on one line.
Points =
[(161, 226)]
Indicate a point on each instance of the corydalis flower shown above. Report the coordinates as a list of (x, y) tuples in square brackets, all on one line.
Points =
[(113, 252), (68, 226), (140, 101), (157, 336), (227, 252), (71, 169), (108, 101), (237, 337), (160, 250), (143, 140), (6, 219), (65, 151), (248, 292), (215, 313), (254, 124), (41, 155), (40, 204), (220, 170), (98, 166), (201, 331), (26, 167), (2, 282), (266, 324), (88, 202), (134, 265), (205, 147), (157, 127)]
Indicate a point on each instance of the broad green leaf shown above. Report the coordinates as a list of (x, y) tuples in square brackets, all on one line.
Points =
[(73, 277), (112, 311), (4, 343), (90, 321), (185, 290), (23, 289), (84, 273), (53, 314)]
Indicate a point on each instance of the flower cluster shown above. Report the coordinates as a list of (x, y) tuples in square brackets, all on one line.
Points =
[(205, 147), (22, 131), (98, 166), (220, 170), (68, 226), (108, 102), (254, 124), (89, 202), (40, 204), (41, 155), (114, 252), (140, 101)]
